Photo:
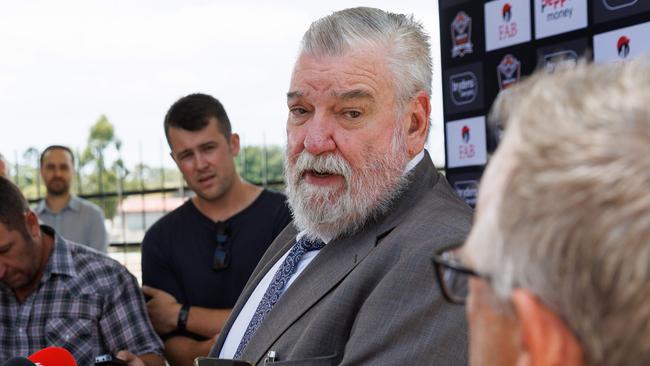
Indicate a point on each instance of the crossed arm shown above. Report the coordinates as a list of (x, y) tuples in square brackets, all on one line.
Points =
[(163, 311)]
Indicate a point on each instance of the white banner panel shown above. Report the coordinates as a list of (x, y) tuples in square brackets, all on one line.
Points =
[(507, 22), (466, 142), (622, 44), (559, 16)]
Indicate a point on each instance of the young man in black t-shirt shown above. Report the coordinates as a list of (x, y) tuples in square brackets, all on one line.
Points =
[(197, 259)]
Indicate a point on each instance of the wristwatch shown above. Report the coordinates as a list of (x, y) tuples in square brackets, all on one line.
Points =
[(183, 314)]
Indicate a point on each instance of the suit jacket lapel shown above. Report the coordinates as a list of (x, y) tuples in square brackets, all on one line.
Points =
[(332, 265), (329, 268)]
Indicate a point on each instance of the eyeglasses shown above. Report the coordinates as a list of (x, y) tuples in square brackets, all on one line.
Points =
[(221, 259), (452, 275)]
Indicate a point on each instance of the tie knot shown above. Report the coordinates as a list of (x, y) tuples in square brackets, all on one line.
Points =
[(309, 245)]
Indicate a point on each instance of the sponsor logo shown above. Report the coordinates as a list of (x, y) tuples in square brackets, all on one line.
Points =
[(508, 71), (506, 12), (565, 58), (461, 35), (509, 29), (623, 46), (466, 150), (506, 23), (618, 4), (464, 88), (466, 142), (556, 9), (467, 190), (559, 16), (465, 133)]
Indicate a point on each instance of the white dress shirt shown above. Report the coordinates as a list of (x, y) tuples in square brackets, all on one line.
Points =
[(246, 314)]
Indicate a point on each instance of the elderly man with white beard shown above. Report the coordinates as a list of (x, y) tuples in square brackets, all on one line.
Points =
[(350, 280)]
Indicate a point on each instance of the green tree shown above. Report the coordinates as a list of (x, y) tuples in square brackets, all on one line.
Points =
[(29, 178), (261, 165), (99, 179)]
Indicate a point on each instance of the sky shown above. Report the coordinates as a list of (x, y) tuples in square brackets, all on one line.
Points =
[(63, 64)]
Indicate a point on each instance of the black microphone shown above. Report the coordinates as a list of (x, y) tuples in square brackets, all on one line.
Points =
[(18, 361)]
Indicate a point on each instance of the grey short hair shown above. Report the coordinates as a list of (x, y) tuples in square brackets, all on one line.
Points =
[(409, 56), (573, 217)]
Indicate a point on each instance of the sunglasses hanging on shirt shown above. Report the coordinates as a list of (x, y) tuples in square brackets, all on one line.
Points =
[(221, 259)]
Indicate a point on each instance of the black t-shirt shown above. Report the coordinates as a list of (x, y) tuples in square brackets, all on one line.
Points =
[(178, 251)]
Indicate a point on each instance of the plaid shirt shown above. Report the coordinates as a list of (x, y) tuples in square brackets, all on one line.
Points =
[(90, 305)]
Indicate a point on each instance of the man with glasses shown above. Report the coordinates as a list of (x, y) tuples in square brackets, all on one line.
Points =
[(558, 260), (197, 259), (349, 281)]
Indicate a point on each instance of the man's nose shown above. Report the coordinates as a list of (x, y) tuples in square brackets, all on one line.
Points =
[(319, 136), (201, 160)]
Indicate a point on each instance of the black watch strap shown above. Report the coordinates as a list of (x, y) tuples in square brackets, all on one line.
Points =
[(181, 324)]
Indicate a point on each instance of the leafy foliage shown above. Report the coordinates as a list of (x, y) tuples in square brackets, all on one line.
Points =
[(95, 175)]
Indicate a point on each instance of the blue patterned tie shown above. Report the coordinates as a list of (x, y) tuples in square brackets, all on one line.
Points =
[(276, 287)]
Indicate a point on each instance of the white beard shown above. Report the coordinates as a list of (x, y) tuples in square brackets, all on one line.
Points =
[(326, 213)]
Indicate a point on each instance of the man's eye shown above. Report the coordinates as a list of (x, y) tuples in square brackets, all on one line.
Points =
[(209, 147), (353, 114), (298, 111)]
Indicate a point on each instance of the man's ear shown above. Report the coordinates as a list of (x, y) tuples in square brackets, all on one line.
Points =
[(546, 340), (32, 224), (417, 126), (234, 144)]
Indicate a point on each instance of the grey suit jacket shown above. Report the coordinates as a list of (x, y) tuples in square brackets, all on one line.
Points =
[(370, 298)]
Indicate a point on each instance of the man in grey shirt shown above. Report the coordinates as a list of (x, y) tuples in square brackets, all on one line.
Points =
[(73, 217)]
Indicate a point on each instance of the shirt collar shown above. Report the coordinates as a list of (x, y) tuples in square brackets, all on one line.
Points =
[(60, 262), (416, 159), (74, 204)]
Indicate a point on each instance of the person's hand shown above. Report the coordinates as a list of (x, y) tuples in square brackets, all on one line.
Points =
[(130, 358), (163, 309)]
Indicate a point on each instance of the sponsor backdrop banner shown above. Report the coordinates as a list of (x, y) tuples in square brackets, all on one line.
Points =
[(606, 10), (622, 43), (507, 22), (488, 46), (463, 88), (466, 142), (466, 185), (554, 17)]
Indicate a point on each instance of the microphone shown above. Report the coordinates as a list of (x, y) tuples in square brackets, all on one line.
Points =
[(18, 361), (53, 356)]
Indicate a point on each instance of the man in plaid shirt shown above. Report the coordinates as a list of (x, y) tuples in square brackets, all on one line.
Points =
[(57, 293)]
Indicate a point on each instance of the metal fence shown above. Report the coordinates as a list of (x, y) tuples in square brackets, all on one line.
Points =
[(134, 199)]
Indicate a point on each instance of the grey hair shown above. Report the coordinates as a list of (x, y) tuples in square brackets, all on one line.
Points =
[(572, 220), (409, 51)]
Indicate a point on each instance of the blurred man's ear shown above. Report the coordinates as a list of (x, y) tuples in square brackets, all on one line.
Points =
[(32, 224), (234, 144), (546, 340)]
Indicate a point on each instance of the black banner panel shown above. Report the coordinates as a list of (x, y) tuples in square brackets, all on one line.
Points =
[(488, 46)]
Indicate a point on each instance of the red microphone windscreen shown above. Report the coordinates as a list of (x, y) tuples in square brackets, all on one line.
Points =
[(53, 356)]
